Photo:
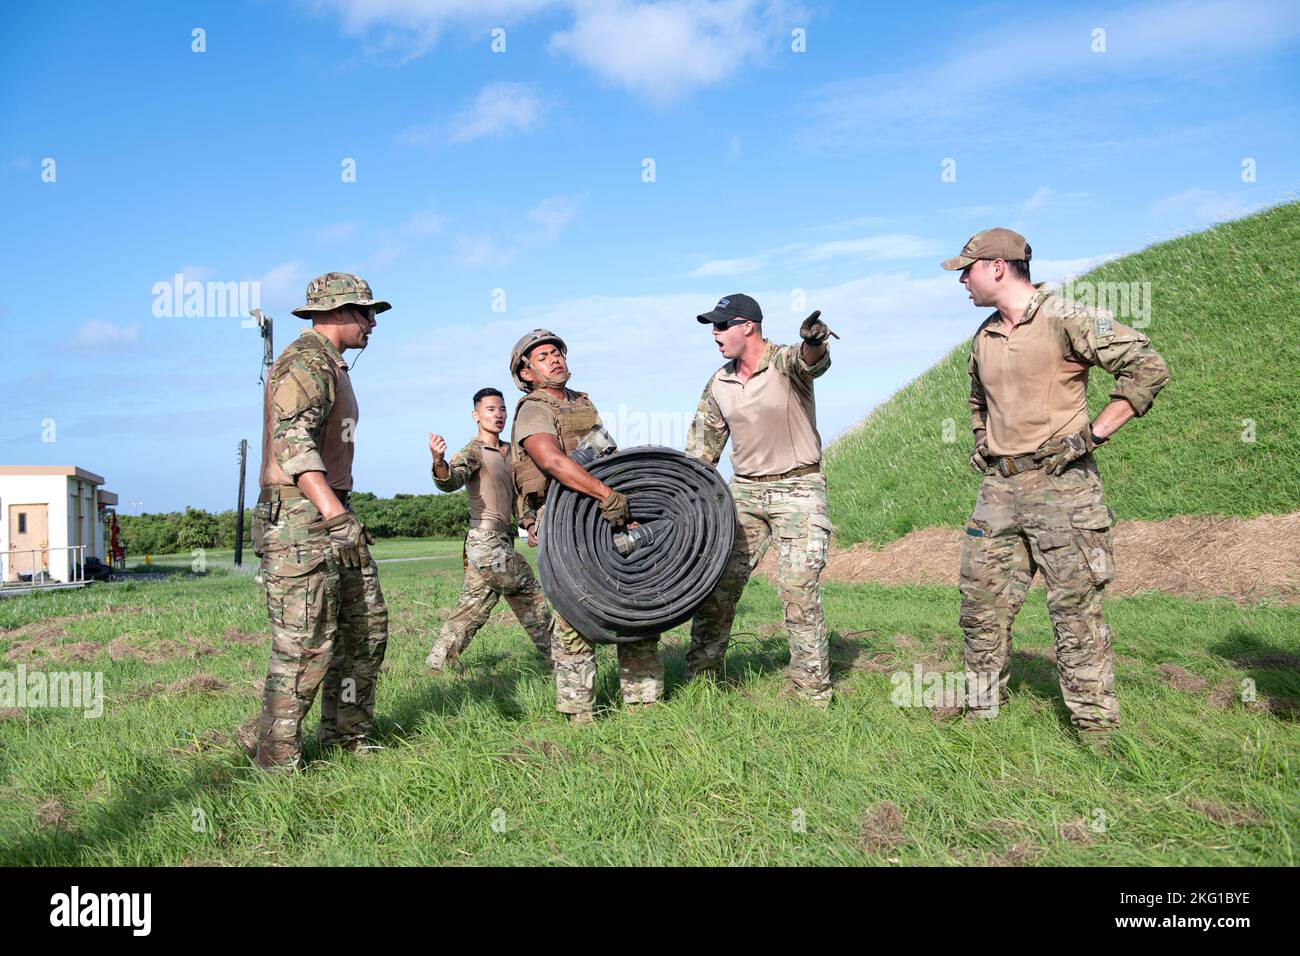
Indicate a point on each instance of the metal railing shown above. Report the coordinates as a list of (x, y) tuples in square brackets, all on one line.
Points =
[(37, 569)]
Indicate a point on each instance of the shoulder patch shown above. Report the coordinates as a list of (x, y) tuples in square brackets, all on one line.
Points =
[(1102, 324)]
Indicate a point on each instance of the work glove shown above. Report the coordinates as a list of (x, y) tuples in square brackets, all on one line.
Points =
[(614, 508), (1056, 455), (814, 331), (346, 535), (979, 459)]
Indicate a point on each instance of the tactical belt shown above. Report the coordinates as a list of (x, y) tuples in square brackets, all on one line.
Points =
[(796, 473), (489, 524), (1006, 467), (288, 492)]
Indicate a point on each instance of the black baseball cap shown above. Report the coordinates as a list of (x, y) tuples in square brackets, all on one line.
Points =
[(734, 306)]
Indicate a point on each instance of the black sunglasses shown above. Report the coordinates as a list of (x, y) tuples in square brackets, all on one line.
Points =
[(728, 323)]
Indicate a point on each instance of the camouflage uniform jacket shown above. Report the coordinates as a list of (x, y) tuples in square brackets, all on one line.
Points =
[(310, 414), (1046, 396)]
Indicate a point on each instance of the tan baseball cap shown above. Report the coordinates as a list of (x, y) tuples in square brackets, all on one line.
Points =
[(990, 244)]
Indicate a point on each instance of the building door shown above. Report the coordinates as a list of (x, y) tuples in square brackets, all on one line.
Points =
[(29, 537)]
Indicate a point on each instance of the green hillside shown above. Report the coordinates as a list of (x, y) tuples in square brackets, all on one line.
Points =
[(1225, 315)]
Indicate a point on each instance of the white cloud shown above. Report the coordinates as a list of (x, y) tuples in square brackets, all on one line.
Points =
[(334, 233), (728, 267), (1204, 206), (496, 111), (936, 100), (98, 334), (284, 286), (893, 246), (658, 50), (862, 249), (1058, 270), (553, 214)]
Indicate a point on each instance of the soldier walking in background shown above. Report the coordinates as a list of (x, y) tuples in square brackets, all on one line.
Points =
[(762, 398), (1040, 504), (493, 568), (329, 625)]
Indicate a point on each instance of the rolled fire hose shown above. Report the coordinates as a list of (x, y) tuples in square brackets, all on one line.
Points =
[(623, 585)]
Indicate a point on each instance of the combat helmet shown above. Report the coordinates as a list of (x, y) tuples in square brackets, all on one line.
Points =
[(525, 345)]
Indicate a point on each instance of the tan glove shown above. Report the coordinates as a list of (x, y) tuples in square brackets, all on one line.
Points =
[(346, 536), (979, 459), (614, 508), (1058, 454), (814, 331)]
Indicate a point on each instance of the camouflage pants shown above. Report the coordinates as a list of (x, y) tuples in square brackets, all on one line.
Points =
[(493, 569), (793, 511), (329, 627), (1060, 525), (640, 671)]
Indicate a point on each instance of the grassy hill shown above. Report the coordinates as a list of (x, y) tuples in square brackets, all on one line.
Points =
[(1225, 315)]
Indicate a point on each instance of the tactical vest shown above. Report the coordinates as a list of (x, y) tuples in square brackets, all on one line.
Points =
[(573, 420)]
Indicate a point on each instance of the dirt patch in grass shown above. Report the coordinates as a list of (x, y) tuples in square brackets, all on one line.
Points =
[(1225, 692), (882, 663), (234, 635), (53, 815), (1180, 679), (198, 684), (56, 623), (880, 829), (531, 749), (998, 825), (1191, 555), (1231, 816), (1021, 854), (11, 713), (1076, 831)]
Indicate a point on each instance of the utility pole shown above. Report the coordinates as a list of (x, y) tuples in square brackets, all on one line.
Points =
[(239, 514), (264, 325)]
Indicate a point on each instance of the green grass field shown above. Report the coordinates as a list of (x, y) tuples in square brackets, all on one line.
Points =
[(726, 775), (1223, 438)]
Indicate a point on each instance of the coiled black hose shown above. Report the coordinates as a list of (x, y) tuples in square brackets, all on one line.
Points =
[(687, 526)]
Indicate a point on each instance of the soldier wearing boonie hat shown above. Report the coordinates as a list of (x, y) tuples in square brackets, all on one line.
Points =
[(1040, 504), (329, 625)]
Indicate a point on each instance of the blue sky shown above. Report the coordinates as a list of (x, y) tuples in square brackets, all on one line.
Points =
[(522, 171)]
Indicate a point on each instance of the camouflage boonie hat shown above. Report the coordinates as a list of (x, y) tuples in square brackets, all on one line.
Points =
[(991, 244), (335, 289)]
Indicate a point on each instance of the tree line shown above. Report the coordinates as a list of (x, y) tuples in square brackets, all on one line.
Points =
[(401, 516)]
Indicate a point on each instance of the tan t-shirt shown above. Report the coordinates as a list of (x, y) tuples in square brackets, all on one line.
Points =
[(487, 475), (1030, 385), (771, 418)]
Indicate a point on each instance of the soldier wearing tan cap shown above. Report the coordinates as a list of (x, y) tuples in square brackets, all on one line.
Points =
[(1040, 505)]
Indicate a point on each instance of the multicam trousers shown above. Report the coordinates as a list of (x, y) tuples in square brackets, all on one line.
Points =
[(493, 569), (793, 510), (329, 627), (640, 671), (1060, 525)]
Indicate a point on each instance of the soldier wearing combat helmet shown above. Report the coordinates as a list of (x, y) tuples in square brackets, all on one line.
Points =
[(329, 625), (1040, 504), (550, 421)]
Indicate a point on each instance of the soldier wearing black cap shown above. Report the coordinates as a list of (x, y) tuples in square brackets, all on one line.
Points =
[(762, 399)]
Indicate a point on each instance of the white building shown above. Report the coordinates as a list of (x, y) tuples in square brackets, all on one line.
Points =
[(50, 521)]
